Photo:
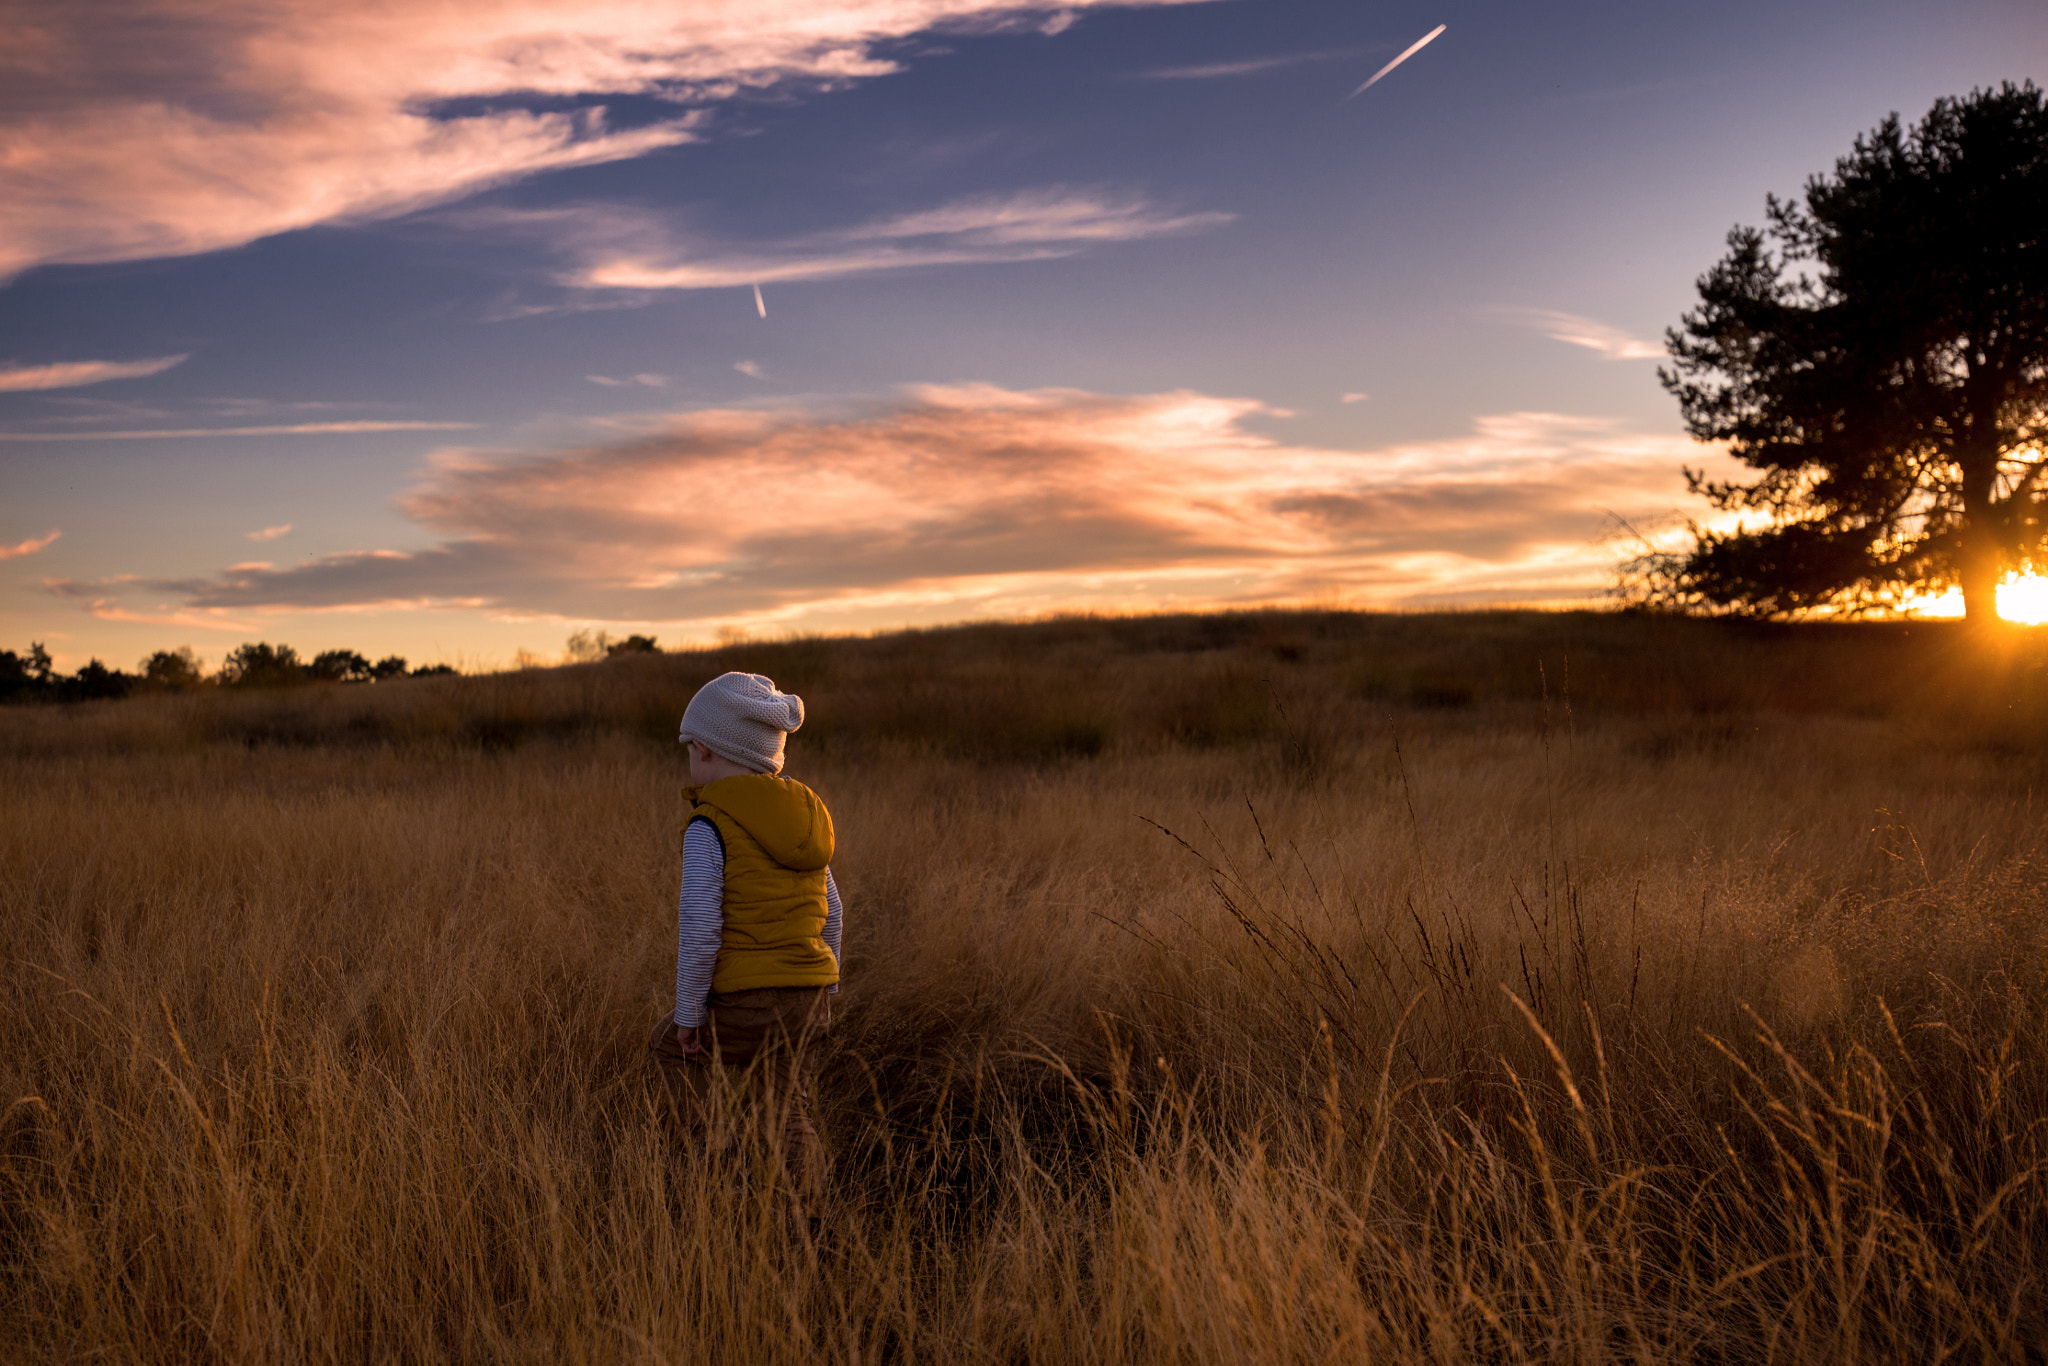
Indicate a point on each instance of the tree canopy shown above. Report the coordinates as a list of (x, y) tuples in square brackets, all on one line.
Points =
[(1879, 355)]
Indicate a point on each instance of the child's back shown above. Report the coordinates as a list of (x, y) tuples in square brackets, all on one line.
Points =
[(776, 838), (758, 922)]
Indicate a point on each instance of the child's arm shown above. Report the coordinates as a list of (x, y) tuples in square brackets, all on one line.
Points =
[(700, 914), (833, 918)]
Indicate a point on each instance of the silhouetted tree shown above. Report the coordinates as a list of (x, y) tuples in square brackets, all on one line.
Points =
[(259, 665), (16, 683), (27, 678), (339, 666), (172, 670), (95, 682), (433, 670), (391, 666), (632, 645), (1880, 355)]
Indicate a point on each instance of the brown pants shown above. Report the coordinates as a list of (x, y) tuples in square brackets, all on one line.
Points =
[(752, 1074)]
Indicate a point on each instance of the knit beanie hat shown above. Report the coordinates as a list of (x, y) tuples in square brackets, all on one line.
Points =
[(743, 717)]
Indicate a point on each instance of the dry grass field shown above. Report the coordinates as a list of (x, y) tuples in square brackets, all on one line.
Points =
[(1273, 987)]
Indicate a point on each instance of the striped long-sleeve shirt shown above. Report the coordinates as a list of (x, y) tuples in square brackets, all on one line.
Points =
[(700, 918)]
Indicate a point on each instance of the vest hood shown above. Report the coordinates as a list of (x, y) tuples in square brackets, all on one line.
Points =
[(788, 819)]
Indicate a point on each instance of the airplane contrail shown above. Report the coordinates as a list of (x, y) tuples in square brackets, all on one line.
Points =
[(1415, 47), (759, 307)]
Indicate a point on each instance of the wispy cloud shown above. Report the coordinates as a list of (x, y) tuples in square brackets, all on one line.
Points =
[(72, 374), (1611, 342), (140, 128), (29, 546), (970, 499), (750, 368), (271, 533), (617, 249), (294, 429), (1250, 66)]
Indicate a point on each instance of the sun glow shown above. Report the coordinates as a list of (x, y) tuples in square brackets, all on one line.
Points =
[(2022, 600)]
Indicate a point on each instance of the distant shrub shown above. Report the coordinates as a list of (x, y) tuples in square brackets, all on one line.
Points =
[(95, 682), (18, 677), (339, 666), (172, 670), (261, 665), (632, 645), (32, 678)]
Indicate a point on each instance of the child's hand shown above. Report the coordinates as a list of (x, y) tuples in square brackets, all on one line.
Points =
[(689, 1039)]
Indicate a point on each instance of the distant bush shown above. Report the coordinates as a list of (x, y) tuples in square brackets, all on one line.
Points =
[(94, 683), (23, 676), (632, 645), (31, 678), (255, 665), (339, 666), (261, 665), (172, 671)]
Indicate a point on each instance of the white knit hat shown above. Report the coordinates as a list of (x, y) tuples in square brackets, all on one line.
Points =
[(743, 717)]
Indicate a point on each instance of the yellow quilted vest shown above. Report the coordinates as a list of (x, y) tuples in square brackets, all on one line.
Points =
[(778, 841)]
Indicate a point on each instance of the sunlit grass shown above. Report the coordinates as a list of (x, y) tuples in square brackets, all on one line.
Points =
[(325, 1008)]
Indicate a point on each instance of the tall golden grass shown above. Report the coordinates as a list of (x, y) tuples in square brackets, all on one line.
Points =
[(1278, 987)]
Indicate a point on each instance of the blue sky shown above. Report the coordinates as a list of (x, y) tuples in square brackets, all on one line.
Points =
[(431, 328)]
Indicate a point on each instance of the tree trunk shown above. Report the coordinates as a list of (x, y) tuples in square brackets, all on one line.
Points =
[(1983, 561), (1980, 575)]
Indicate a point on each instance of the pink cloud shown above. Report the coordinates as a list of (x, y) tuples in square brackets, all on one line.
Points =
[(1570, 328), (73, 374), (140, 128), (30, 546), (968, 499)]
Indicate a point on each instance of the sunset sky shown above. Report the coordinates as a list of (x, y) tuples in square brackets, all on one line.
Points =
[(431, 327)]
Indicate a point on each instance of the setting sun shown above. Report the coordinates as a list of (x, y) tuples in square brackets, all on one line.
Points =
[(2024, 599)]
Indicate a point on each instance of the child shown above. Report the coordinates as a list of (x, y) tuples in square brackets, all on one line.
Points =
[(757, 940)]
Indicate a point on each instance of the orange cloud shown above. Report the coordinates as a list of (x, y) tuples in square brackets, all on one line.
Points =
[(30, 546), (969, 499), (138, 128)]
